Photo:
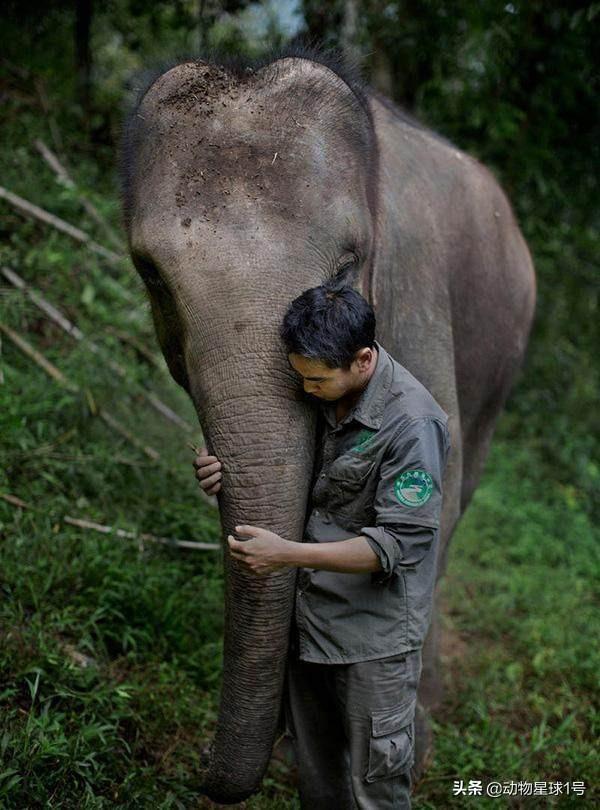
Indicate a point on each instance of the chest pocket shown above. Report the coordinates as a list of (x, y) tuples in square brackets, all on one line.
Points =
[(350, 473)]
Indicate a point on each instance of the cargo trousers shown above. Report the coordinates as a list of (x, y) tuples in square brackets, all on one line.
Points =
[(352, 731)]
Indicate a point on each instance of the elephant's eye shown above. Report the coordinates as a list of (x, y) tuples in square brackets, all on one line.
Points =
[(149, 273), (347, 262)]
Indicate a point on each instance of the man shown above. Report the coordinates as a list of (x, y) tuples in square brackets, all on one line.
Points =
[(366, 566)]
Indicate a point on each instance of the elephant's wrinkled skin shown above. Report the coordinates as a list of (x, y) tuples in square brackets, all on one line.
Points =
[(242, 189)]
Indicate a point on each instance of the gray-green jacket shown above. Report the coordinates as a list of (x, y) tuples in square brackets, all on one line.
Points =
[(378, 473)]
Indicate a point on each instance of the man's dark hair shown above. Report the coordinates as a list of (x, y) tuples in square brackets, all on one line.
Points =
[(329, 323)]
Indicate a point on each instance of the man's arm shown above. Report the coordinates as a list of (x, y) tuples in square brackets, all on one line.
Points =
[(266, 551), (408, 502), (353, 556), (407, 505)]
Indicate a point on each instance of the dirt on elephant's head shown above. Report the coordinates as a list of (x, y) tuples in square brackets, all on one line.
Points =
[(201, 90)]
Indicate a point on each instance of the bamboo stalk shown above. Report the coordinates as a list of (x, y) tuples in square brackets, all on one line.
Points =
[(79, 459), (99, 527), (82, 523), (67, 326), (59, 377), (65, 179), (12, 499), (40, 88), (61, 173), (38, 358), (137, 345), (50, 310), (167, 412), (115, 288), (34, 211), (45, 449), (122, 430)]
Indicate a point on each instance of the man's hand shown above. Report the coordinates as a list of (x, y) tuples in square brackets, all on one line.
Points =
[(264, 552), (208, 472)]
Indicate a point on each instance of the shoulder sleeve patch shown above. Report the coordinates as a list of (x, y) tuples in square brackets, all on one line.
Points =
[(413, 487)]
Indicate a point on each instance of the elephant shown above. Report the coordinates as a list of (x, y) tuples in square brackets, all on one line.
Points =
[(246, 182)]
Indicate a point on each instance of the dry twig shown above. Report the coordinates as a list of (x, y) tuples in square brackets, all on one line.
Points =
[(60, 378), (12, 499), (34, 211), (98, 527), (40, 88), (67, 326), (37, 358), (82, 523), (65, 179), (136, 344)]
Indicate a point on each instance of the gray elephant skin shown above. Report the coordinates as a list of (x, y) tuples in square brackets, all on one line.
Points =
[(245, 184)]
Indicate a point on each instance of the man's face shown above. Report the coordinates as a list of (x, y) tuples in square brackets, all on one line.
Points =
[(330, 383)]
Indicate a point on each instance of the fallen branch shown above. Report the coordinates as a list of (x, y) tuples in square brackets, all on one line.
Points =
[(98, 527), (38, 358), (82, 523), (65, 179), (167, 412), (44, 449), (34, 211), (40, 88), (12, 499), (61, 173), (137, 345), (115, 288), (67, 326), (79, 459), (60, 378), (122, 430), (50, 310)]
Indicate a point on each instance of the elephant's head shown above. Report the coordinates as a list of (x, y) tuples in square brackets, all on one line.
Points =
[(243, 188)]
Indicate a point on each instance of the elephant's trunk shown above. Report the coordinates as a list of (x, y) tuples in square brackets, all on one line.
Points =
[(256, 422)]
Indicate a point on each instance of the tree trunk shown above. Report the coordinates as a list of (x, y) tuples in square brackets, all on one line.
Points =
[(349, 33), (83, 54), (382, 77)]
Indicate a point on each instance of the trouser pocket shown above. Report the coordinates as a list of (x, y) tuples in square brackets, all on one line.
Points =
[(391, 746)]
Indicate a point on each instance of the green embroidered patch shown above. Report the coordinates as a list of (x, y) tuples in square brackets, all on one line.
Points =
[(363, 440), (413, 487)]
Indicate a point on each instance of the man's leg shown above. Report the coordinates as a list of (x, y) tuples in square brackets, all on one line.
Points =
[(318, 738), (378, 699)]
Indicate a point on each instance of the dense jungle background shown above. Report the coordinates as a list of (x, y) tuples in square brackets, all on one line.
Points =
[(110, 643)]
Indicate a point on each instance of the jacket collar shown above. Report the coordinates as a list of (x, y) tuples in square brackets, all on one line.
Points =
[(369, 408)]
